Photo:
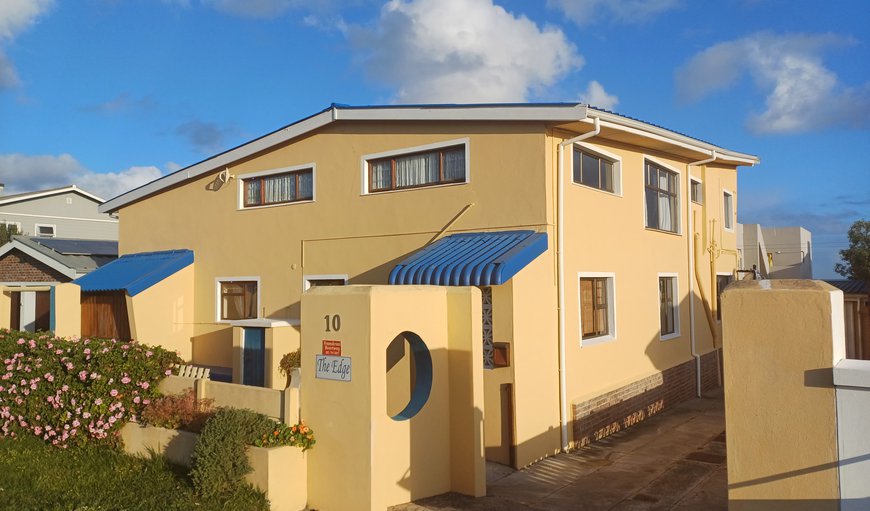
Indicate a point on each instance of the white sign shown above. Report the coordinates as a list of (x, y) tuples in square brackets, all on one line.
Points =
[(329, 367)]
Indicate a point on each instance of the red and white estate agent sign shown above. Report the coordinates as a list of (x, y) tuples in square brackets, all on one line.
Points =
[(332, 348)]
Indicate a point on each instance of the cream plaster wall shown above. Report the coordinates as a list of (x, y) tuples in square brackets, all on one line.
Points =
[(163, 313), (782, 340), (67, 310)]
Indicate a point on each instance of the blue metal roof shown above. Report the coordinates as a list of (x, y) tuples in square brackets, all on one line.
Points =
[(135, 273), (471, 259)]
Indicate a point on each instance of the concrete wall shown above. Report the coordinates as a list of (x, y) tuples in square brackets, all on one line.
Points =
[(781, 341), (366, 459), (852, 379), (791, 249)]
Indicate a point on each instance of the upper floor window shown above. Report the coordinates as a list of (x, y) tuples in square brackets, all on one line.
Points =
[(45, 231), (662, 198), (697, 191), (278, 187), (437, 166), (239, 299), (728, 209), (593, 170)]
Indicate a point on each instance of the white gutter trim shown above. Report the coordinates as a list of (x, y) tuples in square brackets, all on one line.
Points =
[(693, 342), (649, 131), (560, 270)]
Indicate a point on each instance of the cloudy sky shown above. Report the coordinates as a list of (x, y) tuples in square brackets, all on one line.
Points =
[(110, 94)]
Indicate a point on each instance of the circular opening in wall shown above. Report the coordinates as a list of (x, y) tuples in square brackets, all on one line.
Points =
[(409, 376)]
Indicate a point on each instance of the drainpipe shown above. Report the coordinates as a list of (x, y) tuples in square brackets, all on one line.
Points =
[(693, 269), (560, 270)]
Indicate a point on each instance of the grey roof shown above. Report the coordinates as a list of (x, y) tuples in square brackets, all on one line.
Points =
[(18, 197), (851, 287), (77, 254)]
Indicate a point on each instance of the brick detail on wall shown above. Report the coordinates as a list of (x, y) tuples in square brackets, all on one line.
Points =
[(626, 406), (16, 266)]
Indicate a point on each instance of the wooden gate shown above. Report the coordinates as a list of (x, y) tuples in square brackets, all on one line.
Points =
[(104, 314)]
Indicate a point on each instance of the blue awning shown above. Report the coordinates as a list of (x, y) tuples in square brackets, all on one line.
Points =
[(471, 259), (135, 273)]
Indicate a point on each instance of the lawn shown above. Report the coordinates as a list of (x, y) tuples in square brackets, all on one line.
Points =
[(37, 476)]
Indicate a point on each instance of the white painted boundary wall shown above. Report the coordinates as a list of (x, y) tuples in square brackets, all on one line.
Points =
[(278, 404), (852, 381)]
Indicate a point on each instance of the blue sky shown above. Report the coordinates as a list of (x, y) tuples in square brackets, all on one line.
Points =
[(109, 94)]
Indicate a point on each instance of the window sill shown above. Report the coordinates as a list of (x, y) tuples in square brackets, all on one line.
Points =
[(668, 337), (243, 208), (415, 188), (592, 341), (587, 187), (260, 322), (672, 233)]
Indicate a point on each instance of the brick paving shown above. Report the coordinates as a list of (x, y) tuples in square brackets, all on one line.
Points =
[(671, 461)]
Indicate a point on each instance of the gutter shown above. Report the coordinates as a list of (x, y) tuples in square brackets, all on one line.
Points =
[(693, 269), (560, 269)]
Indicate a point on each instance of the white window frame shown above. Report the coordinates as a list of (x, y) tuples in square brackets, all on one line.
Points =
[(676, 292), (611, 311), (53, 230), (615, 160), (217, 294), (306, 279), (7, 223), (364, 164), (671, 168), (283, 170), (693, 180), (728, 219)]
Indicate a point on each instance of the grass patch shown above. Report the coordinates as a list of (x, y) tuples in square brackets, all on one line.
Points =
[(37, 476)]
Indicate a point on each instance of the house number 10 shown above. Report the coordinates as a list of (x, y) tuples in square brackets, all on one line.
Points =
[(333, 320)]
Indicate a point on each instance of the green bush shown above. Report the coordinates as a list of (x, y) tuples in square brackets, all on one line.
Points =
[(219, 463), (298, 435), (72, 391)]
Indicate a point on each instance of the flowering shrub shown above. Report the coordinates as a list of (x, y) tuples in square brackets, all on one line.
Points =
[(298, 435), (181, 411), (70, 391)]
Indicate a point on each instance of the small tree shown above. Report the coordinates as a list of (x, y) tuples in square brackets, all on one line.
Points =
[(856, 258), (6, 233)]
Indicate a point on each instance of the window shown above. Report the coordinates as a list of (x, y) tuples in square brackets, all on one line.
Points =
[(728, 206), (697, 192), (439, 166), (722, 282), (669, 312), (323, 280), (45, 230), (278, 188), (596, 307), (11, 227), (239, 299), (593, 170), (662, 198)]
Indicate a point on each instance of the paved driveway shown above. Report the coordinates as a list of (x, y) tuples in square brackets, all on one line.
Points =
[(674, 461)]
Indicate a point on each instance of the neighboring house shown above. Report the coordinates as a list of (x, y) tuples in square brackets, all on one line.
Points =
[(30, 266), (856, 309), (67, 212), (597, 240), (776, 252)]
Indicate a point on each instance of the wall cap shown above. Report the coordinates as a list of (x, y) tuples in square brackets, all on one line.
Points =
[(852, 373)]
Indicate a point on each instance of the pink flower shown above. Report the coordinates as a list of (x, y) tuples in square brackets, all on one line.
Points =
[(125, 380), (21, 341), (32, 386), (145, 385), (149, 353), (98, 401), (168, 372), (86, 415), (69, 366), (83, 375), (136, 399), (64, 388), (87, 351), (49, 376), (113, 392)]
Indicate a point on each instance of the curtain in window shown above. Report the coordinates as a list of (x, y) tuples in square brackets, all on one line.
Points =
[(280, 188), (665, 211), (454, 165), (417, 170), (306, 186), (252, 191), (381, 175)]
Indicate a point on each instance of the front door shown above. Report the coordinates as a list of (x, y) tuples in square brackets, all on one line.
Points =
[(254, 357)]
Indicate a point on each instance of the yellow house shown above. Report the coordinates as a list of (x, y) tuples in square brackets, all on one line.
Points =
[(599, 243)]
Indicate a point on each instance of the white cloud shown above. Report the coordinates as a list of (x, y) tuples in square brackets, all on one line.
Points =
[(802, 93), (25, 173), (584, 12), (462, 51), (16, 16), (596, 96)]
